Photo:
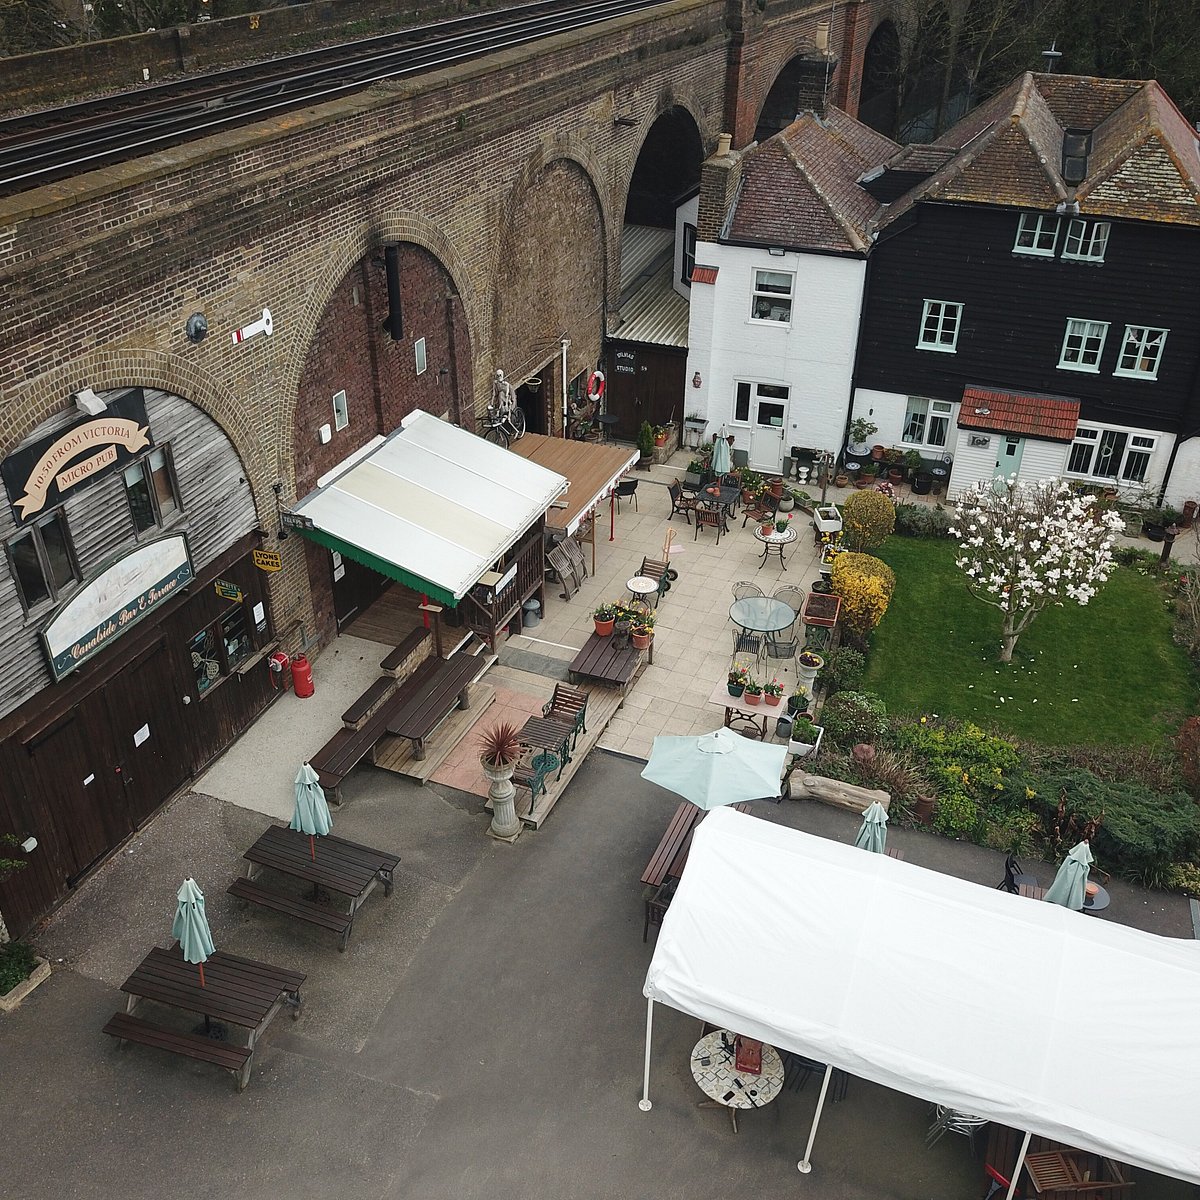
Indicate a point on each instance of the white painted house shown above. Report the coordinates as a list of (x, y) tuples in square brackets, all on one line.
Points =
[(777, 286)]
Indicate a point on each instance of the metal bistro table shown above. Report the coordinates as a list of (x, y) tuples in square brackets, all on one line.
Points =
[(774, 543), (726, 497)]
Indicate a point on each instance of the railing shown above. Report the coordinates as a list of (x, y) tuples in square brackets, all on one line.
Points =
[(486, 618)]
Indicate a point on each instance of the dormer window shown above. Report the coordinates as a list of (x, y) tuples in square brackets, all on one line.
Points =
[(1086, 241), (1037, 233)]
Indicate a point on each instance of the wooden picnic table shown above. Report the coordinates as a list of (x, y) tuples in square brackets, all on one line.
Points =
[(670, 856), (611, 660), (551, 737)]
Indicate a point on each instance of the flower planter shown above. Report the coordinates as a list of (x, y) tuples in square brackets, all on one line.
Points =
[(604, 628), (766, 530), (10, 1000), (752, 697), (821, 610), (841, 479), (786, 502), (695, 424), (772, 700), (661, 441), (877, 452), (806, 674), (896, 474), (641, 641), (828, 519), (922, 482), (736, 689), (804, 749), (1153, 531)]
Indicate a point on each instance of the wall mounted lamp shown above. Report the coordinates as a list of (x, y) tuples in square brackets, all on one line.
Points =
[(697, 381), (627, 122), (776, 251)]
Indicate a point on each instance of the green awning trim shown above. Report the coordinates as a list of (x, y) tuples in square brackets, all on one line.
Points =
[(390, 569)]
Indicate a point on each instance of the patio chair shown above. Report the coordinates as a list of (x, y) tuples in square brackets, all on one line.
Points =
[(745, 590), (568, 704), (709, 518), (681, 503), (783, 644), (747, 643), (797, 1069), (793, 597), (627, 490), (763, 509), (949, 1120), (1014, 877)]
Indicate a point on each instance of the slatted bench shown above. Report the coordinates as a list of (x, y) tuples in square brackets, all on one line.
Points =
[(346, 749), (127, 1028), (609, 660), (423, 702), (369, 703), (682, 823), (303, 910), (395, 662)]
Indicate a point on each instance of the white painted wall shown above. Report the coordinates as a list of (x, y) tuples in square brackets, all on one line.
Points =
[(813, 355), (972, 464), (1043, 460), (1185, 474), (686, 213)]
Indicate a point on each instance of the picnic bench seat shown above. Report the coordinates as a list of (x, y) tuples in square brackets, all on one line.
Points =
[(394, 663), (357, 715), (670, 855), (127, 1028), (303, 910)]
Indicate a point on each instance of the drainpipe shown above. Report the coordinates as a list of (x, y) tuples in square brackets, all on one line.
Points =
[(565, 343)]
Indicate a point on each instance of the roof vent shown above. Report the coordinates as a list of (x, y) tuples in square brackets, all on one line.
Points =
[(1076, 147)]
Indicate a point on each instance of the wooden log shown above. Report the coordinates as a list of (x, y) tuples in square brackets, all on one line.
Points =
[(837, 793)]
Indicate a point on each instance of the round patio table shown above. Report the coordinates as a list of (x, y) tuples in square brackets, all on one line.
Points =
[(774, 543), (715, 1071), (761, 614)]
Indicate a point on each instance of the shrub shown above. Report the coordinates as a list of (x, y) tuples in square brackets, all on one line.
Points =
[(853, 717), (865, 584), (1187, 746), (844, 669), (1183, 877), (922, 520), (500, 745), (868, 519), (16, 965)]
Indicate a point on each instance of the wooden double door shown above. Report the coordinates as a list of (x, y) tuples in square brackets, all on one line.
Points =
[(644, 383)]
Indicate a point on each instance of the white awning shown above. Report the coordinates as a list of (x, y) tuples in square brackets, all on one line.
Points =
[(432, 505), (1075, 1028)]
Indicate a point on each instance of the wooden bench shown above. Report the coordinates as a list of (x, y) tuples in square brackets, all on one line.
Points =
[(1108, 1179), (369, 703), (127, 1028), (892, 852), (608, 660), (679, 829), (303, 910), (393, 664), (437, 687)]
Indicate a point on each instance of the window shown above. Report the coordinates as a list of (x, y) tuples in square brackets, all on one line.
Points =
[(939, 326), (1086, 241), (1036, 234), (749, 392), (1113, 454), (419, 354), (1083, 343), (221, 647), (150, 490), (689, 252), (42, 560), (927, 422), (772, 296), (1141, 352), (341, 410)]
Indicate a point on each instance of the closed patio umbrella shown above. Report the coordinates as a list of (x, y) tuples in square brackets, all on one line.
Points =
[(720, 456), (311, 814), (1068, 886), (872, 833), (716, 768), (191, 926)]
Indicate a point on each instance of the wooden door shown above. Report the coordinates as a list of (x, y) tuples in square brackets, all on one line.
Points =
[(644, 383), (354, 587), (148, 749)]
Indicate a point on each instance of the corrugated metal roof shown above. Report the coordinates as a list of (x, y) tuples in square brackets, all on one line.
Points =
[(656, 313), (434, 500), (640, 246)]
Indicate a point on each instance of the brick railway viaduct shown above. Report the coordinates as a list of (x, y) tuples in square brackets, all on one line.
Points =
[(504, 181)]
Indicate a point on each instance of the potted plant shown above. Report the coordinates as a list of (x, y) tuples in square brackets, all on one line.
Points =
[(841, 480), (739, 676), (828, 519), (860, 431), (912, 461), (806, 737), (696, 422), (808, 663), (499, 749), (877, 452), (645, 443), (797, 702), (781, 524), (642, 630), (772, 692), (661, 433), (787, 501), (605, 616), (753, 693)]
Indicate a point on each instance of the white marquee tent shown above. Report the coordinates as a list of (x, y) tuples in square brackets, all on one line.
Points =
[(1050, 1021)]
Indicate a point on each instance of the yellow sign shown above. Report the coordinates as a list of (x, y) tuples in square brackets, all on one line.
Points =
[(268, 560), (227, 591)]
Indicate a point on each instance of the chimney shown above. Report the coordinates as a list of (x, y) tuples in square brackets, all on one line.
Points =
[(811, 78), (719, 179)]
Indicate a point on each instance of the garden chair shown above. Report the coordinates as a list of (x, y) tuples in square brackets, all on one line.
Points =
[(793, 597), (568, 704), (745, 589), (763, 509), (655, 568), (681, 503), (782, 645), (797, 1069), (627, 490), (1014, 877), (709, 518), (948, 1120), (657, 905), (745, 643)]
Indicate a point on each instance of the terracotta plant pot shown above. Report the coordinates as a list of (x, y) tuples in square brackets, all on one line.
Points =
[(776, 488), (896, 474), (752, 697), (769, 699), (841, 480), (766, 529), (604, 628), (641, 641), (877, 452), (661, 441)]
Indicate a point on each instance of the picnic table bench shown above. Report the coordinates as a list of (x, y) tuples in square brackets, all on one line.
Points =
[(411, 708), (610, 660), (333, 863), (670, 855), (237, 991)]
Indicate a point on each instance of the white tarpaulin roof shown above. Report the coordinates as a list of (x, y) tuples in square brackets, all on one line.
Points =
[(1048, 1020), (436, 502)]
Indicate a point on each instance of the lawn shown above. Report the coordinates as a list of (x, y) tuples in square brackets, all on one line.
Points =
[(1107, 672)]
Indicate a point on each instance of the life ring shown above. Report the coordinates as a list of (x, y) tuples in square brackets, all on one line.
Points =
[(595, 388)]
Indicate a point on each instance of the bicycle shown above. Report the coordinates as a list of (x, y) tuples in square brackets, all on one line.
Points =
[(505, 419)]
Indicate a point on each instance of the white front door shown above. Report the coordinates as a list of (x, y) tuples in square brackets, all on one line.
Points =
[(768, 425)]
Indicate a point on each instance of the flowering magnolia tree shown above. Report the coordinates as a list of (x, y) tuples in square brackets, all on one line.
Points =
[(1024, 546)]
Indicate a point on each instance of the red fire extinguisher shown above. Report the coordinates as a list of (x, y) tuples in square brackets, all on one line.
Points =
[(302, 678), (281, 671)]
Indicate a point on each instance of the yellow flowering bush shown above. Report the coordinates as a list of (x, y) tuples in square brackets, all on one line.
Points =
[(865, 584), (868, 518)]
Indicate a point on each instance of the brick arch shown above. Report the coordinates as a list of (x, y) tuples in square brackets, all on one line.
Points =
[(347, 249), (103, 370)]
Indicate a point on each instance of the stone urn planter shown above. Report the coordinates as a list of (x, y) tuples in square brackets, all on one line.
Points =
[(41, 972), (500, 748), (808, 665)]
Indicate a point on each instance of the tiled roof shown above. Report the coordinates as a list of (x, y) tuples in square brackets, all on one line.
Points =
[(800, 190), (704, 274), (1052, 417), (1144, 162)]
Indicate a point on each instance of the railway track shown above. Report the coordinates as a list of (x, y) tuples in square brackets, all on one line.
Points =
[(52, 144)]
